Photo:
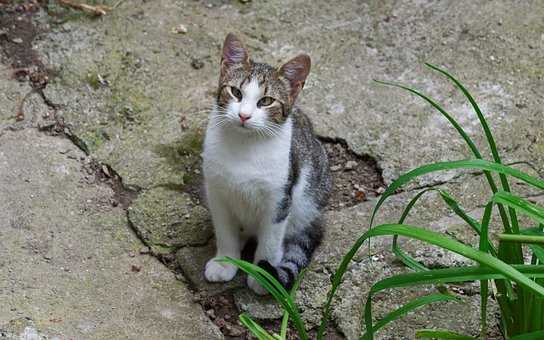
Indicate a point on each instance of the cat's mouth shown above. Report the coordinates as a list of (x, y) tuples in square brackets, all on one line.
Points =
[(244, 127)]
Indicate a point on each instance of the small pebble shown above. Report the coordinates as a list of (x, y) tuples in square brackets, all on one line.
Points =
[(144, 250), (179, 29), (210, 313), (234, 331), (350, 165), (17, 40), (336, 167), (106, 171), (197, 64)]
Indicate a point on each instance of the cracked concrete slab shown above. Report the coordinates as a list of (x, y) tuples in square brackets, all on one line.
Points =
[(68, 260), (135, 95)]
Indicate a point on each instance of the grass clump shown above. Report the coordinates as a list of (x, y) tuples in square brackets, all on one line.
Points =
[(516, 284)]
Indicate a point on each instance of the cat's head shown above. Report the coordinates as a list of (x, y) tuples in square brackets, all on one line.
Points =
[(256, 97)]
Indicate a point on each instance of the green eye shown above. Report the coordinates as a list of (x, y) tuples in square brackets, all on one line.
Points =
[(266, 101), (236, 93)]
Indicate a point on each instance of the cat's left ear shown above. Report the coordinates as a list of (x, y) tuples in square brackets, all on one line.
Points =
[(295, 71)]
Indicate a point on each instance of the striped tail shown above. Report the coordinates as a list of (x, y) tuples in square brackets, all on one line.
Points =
[(297, 253)]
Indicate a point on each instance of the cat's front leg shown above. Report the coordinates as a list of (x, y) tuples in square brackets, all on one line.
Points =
[(270, 249), (227, 238)]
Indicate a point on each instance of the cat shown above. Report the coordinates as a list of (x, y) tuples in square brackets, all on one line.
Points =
[(266, 175)]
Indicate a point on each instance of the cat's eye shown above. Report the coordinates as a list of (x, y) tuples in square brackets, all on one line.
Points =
[(265, 101), (236, 93)]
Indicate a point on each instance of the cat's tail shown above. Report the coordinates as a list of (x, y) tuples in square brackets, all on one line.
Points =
[(297, 253)]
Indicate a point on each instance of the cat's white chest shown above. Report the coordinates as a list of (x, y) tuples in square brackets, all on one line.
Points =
[(249, 175)]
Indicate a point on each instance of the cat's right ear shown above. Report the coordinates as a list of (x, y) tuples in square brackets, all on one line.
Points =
[(234, 53)]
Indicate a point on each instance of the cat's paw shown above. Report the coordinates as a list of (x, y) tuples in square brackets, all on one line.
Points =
[(255, 286), (219, 272)]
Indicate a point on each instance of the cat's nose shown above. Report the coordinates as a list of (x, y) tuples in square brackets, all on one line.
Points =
[(244, 117)]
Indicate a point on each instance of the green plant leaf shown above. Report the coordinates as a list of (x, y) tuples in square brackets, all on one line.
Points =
[(408, 307), (444, 242), (452, 121), (259, 332), (484, 246), (539, 335), (441, 334), (462, 164), (532, 210), (430, 237), (453, 205), (275, 288), (285, 319), (405, 258), (463, 134)]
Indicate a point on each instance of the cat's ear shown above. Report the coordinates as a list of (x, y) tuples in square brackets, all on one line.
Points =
[(295, 71), (234, 52)]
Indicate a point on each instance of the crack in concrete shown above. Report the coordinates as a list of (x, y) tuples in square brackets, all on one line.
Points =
[(364, 157)]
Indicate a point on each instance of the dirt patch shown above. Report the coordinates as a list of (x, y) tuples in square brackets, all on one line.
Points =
[(17, 32), (222, 310), (355, 177)]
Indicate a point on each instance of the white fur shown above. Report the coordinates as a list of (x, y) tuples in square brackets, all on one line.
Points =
[(245, 172), (303, 209)]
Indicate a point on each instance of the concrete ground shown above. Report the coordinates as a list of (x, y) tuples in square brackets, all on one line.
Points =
[(102, 157)]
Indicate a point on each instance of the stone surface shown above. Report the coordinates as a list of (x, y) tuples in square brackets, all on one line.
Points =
[(65, 254), (132, 97), (167, 220)]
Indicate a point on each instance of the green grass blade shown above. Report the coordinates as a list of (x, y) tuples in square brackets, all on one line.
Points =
[(479, 113), (454, 274), (441, 335), (532, 210), (408, 260), (456, 208), (538, 251), (504, 269), (483, 121), (462, 132), (484, 246), (452, 121), (443, 242), (259, 332), (408, 307), (490, 141), (285, 319), (453, 205), (461, 164), (274, 288), (405, 258), (521, 238), (539, 335)]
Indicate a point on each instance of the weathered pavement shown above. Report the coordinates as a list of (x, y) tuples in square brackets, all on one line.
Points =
[(69, 260), (133, 95)]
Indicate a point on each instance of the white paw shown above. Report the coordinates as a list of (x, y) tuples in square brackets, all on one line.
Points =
[(255, 286), (219, 272)]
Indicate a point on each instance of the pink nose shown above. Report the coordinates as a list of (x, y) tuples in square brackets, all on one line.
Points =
[(244, 117)]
